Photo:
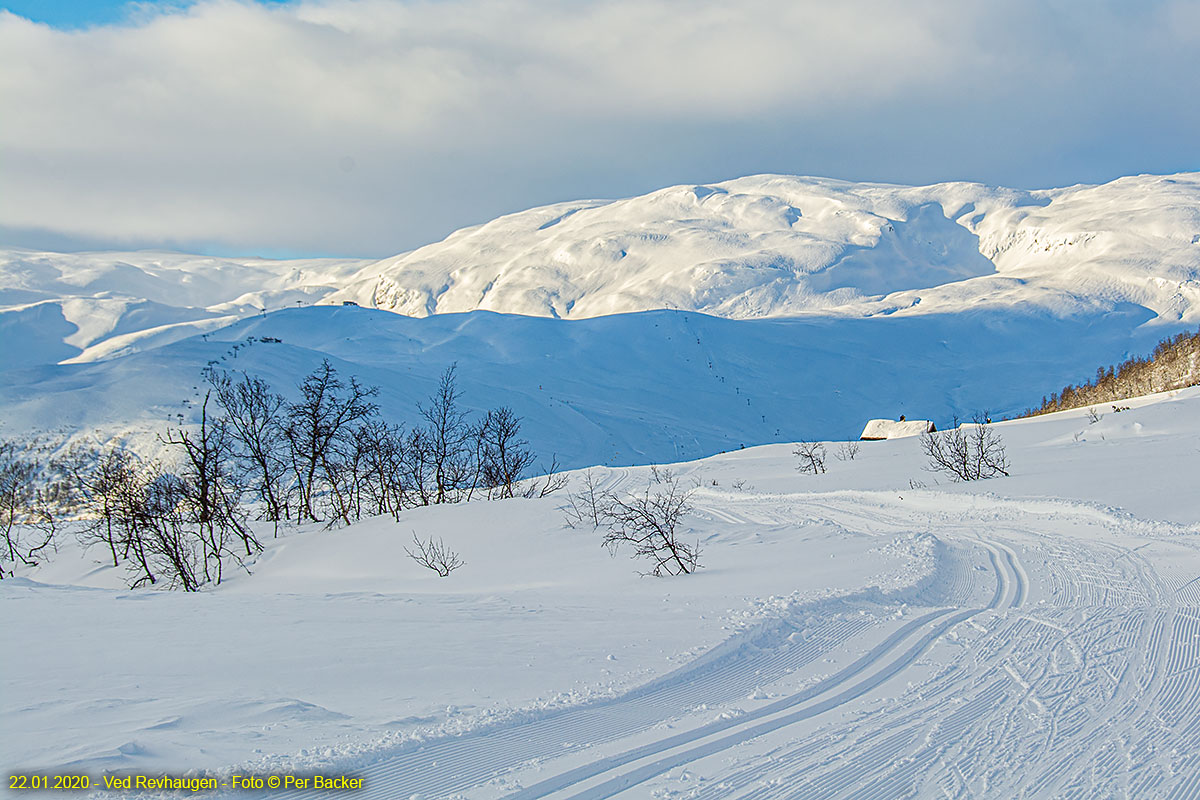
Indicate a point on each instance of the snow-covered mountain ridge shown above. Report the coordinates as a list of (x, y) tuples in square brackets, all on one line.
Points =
[(760, 246), (774, 245), (79, 307)]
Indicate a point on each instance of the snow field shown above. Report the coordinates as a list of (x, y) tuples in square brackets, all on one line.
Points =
[(850, 636)]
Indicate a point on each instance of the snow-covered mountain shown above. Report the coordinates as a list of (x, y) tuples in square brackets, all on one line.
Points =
[(774, 245), (72, 307), (823, 303), (753, 247)]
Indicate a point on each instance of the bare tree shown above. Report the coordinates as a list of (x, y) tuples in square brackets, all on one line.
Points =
[(417, 460), (650, 522), (325, 414), (968, 452), (94, 475), (385, 479), (812, 457), (255, 417), (164, 541), (503, 457), (435, 555), (209, 492), (447, 442), (139, 500)]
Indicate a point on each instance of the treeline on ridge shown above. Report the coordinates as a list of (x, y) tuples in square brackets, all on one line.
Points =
[(327, 456), (1174, 364)]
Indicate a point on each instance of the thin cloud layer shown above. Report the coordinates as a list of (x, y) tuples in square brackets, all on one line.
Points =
[(371, 126)]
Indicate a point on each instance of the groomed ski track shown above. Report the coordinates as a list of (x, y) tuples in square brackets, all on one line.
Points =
[(1052, 653)]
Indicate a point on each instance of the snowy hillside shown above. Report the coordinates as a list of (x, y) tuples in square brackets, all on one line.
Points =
[(774, 245), (849, 636), (658, 386), (928, 301), (85, 306)]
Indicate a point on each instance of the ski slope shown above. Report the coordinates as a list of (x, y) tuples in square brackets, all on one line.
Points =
[(849, 636)]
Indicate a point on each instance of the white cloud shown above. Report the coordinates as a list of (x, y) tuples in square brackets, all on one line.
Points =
[(367, 126)]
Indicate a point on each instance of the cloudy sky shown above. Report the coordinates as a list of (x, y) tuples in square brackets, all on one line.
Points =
[(368, 127)]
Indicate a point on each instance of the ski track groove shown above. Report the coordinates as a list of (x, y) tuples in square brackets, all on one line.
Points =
[(1094, 690)]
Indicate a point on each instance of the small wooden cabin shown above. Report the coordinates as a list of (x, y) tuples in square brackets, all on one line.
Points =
[(878, 429)]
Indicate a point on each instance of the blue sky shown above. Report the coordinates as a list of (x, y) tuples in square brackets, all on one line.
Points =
[(76, 14), (369, 127)]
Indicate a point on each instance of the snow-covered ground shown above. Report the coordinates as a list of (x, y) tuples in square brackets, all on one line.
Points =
[(849, 636)]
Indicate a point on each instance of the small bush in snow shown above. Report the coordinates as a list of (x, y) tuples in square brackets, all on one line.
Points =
[(435, 555), (588, 506), (847, 451), (812, 457), (650, 522), (968, 452)]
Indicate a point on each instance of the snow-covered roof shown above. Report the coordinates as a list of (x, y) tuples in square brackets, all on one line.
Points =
[(891, 429)]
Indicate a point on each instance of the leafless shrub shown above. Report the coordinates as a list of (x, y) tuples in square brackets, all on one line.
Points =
[(1093, 416), (968, 452), (661, 474), (650, 523), (847, 451), (435, 555), (588, 505), (812, 457), (551, 480), (739, 484)]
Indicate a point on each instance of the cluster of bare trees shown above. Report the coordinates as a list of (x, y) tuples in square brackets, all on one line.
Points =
[(1174, 364), (30, 501), (648, 521), (175, 527), (330, 457), (324, 456)]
